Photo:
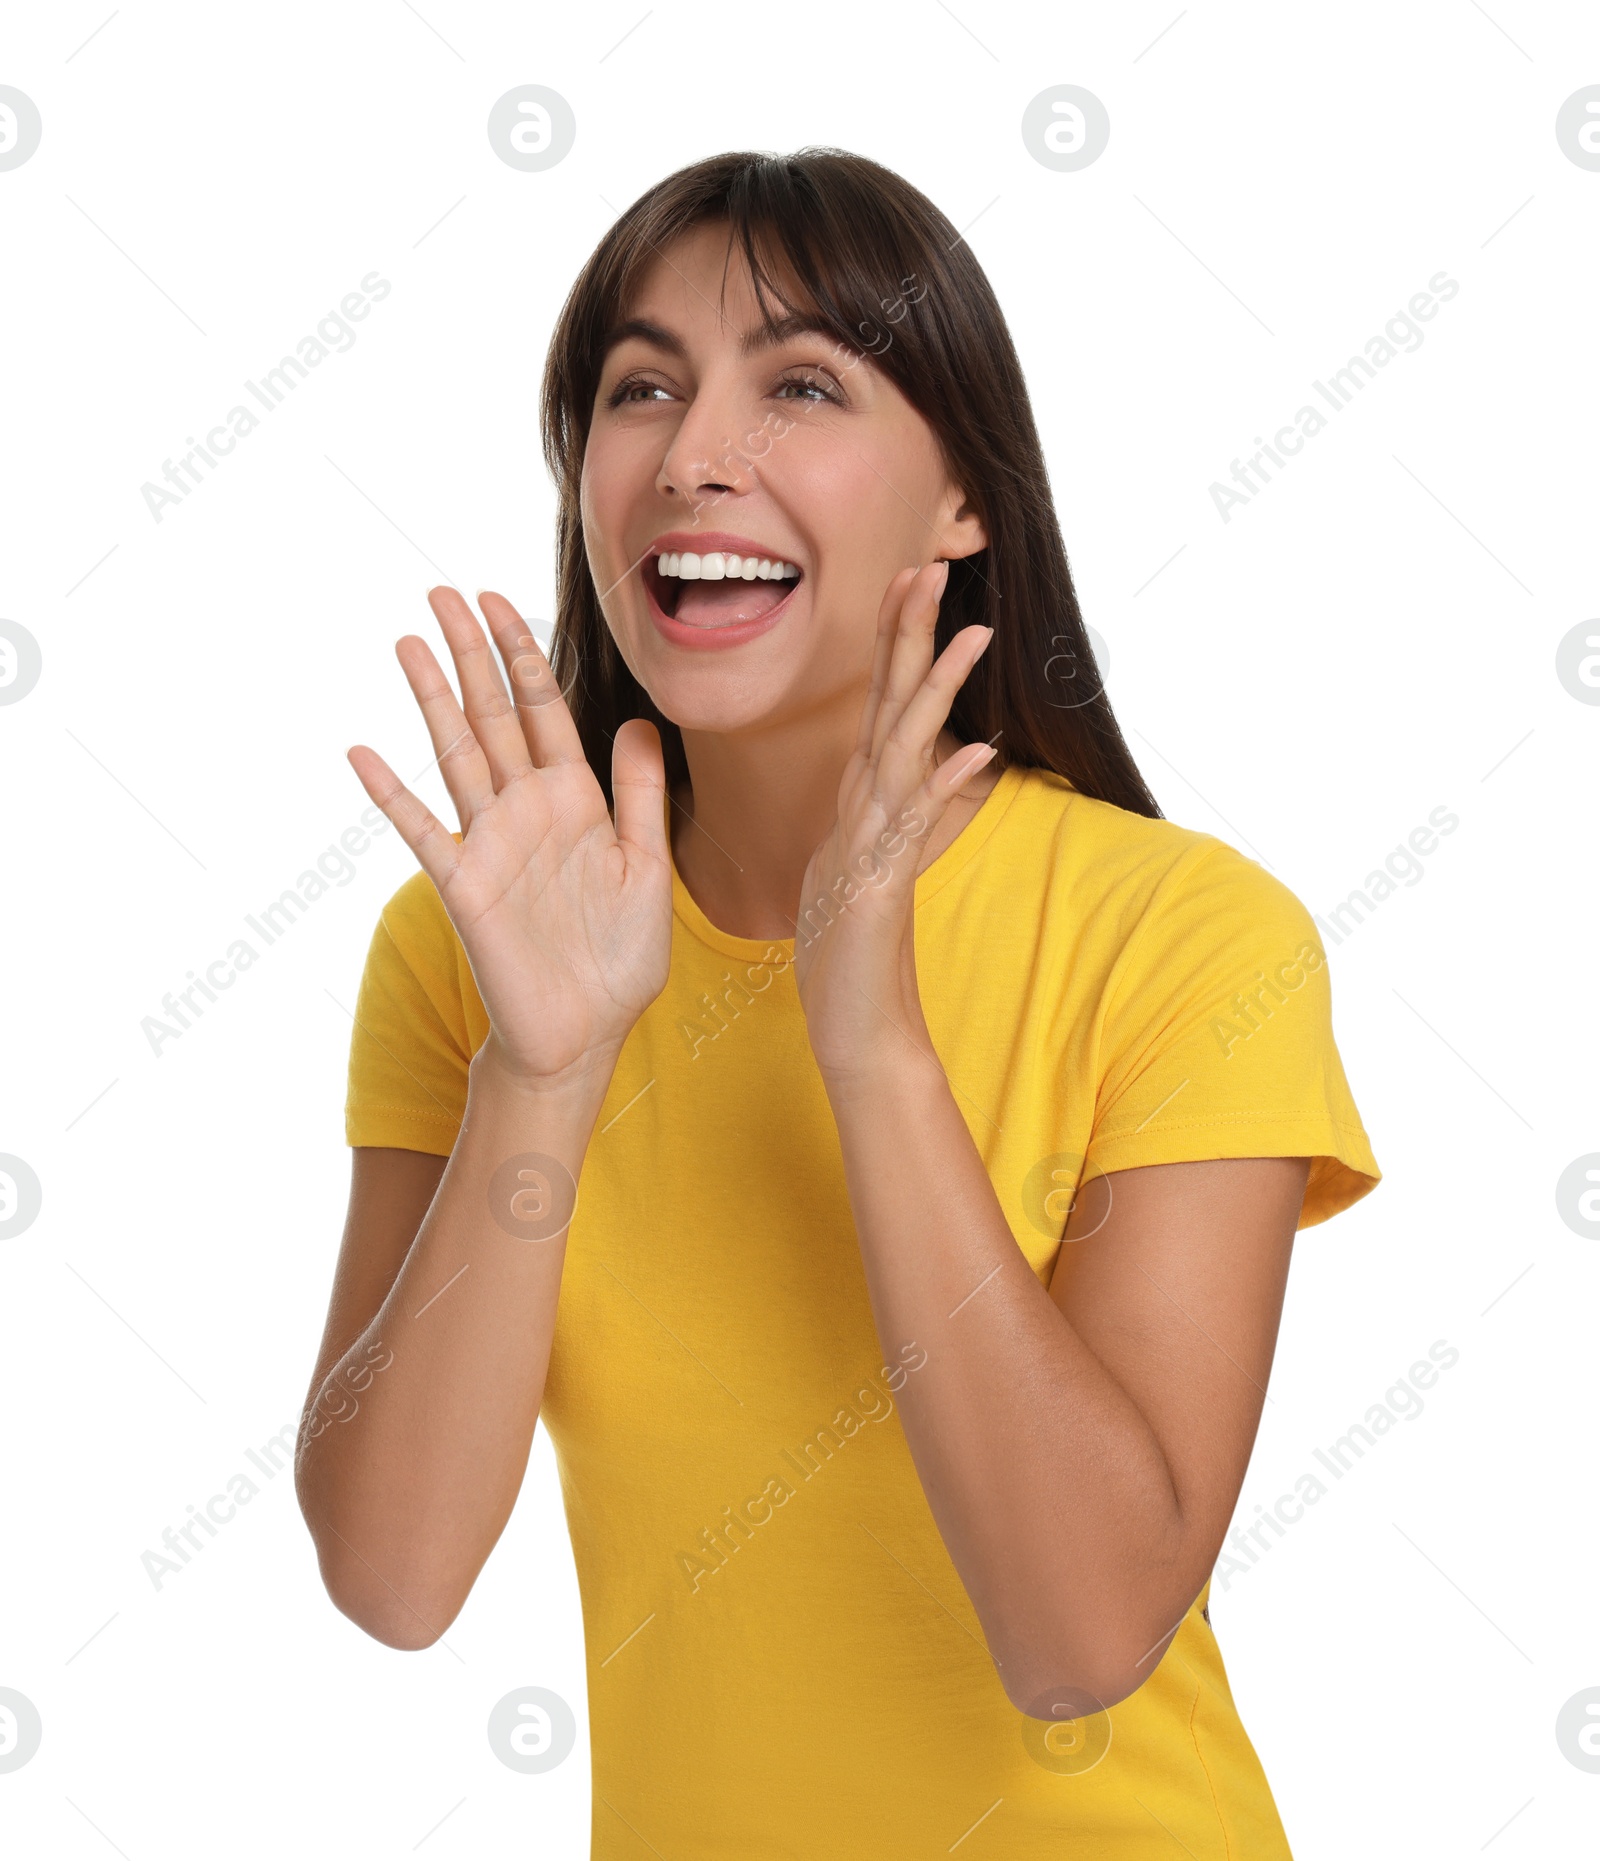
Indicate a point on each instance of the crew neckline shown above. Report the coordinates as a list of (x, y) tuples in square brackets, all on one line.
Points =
[(958, 854)]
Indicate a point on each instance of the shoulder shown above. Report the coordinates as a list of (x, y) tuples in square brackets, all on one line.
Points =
[(414, 920), (1141, 917), (417, 982), (1145, 871)]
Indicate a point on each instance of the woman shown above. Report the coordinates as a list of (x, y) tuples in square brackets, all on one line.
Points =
[(944, 1115)]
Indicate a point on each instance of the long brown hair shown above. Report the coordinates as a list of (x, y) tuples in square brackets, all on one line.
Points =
[(876, 263)]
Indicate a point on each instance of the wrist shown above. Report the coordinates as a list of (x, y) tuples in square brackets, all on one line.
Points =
[(888, 1079), (886, 1043), (584, 1082)]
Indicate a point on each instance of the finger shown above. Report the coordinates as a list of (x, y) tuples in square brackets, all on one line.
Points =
[(541, 710), (882, 651), (926, 807), (911, 744), (455, 749), (913, 649), (412, 819), (483, 696), (639, 787)]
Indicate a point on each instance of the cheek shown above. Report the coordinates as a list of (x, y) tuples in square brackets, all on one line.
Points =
[(596, 484), (604, 499), (618, 469), (591, 506), (859, 505)]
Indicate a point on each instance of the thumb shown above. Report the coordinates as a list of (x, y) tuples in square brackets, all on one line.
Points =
[(638, 788)]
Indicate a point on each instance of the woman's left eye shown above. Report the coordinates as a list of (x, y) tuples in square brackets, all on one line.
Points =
[(811, 384)]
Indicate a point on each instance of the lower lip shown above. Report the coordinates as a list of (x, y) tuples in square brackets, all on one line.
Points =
[(708, 639)]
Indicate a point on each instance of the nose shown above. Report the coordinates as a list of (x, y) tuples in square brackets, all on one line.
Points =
[(704, 459)]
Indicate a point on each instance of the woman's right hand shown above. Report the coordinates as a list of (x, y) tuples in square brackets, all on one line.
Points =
[(565, 918)]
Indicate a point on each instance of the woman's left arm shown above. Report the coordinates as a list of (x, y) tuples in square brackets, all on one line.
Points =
[(1082, 1447)]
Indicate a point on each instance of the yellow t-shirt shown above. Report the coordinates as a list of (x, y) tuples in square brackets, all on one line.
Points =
[(781, 1658)]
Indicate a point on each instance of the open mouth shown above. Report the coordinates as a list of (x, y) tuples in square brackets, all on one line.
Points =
[(718, 589)]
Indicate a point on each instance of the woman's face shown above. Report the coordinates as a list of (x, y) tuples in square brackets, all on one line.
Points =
[(709, 442)]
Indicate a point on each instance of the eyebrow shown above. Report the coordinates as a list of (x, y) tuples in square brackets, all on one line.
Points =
[(752, 342)]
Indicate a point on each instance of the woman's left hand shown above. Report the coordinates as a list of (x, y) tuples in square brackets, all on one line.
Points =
[(854, 959)]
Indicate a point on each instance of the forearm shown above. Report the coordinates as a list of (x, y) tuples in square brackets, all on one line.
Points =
[(414, 1445), (1048, 1486)]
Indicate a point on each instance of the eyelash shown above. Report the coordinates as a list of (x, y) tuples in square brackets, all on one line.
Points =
[(804, 380)]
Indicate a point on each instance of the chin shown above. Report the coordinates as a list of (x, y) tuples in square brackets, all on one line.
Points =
[(721, 704)]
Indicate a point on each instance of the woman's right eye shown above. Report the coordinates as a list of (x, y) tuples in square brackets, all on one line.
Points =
[(626, 389)]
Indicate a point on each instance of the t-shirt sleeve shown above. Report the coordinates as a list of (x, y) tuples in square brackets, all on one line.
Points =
[(410, 1044), (1217, 1039)]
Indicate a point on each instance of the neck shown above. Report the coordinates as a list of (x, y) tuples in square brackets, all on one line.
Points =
[(754, 811)]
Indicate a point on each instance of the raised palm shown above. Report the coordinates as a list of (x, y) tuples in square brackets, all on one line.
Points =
[(566, 918)]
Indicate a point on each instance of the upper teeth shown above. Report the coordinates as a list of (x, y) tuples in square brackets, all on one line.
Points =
[(719, 566)]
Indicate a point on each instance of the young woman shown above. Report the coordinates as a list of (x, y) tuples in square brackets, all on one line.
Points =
[(817, 1081)]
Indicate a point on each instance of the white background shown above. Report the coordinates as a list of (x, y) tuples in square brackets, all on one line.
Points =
[(1373, 637)]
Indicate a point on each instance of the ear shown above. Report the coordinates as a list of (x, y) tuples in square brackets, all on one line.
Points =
[(962, 532)]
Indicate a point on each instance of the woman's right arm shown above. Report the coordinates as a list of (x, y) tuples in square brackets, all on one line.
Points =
[(420, 1416), (421, 1413)]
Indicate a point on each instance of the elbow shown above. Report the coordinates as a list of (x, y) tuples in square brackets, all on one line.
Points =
[(1060, 1675), (401, 1636), (1078, 1691), (1074, 1668), (407, 1615), (377, 1612)]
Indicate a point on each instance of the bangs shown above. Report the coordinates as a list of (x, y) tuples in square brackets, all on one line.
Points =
[(842, 266)]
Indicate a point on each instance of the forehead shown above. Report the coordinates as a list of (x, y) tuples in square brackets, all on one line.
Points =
[(698, 285), (704, 264)]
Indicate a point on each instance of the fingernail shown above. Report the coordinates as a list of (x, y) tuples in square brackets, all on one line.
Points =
[(976, 761)]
